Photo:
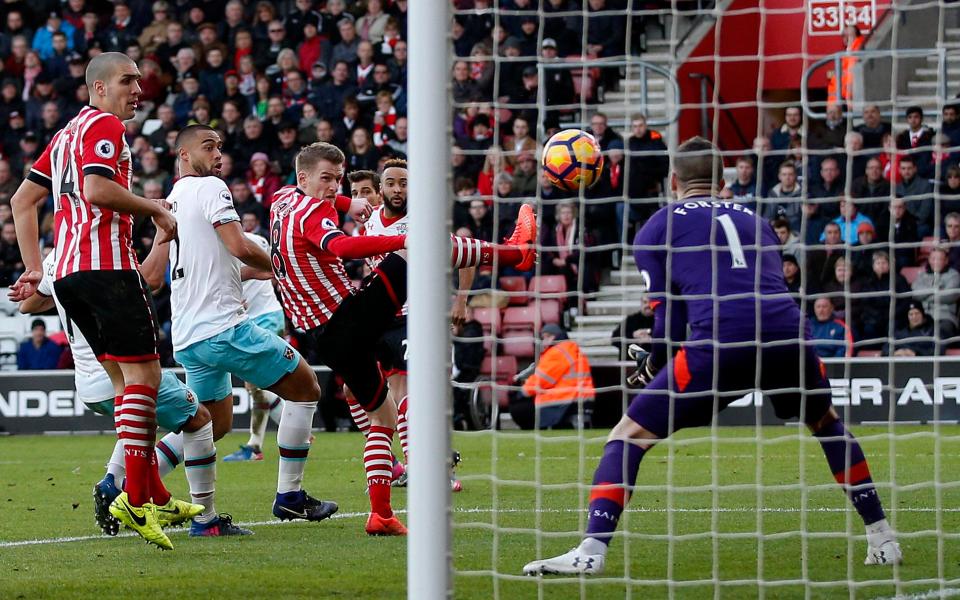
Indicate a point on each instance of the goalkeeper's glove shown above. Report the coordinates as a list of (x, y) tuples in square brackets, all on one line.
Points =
[(645, 371)]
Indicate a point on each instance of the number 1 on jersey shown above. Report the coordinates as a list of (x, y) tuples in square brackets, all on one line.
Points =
[(733, 240)]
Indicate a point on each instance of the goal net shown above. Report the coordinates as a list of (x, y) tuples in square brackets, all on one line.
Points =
[(834, 122)]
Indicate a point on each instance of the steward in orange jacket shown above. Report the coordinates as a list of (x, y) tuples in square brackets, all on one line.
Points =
[(560, 383), (852, 42)]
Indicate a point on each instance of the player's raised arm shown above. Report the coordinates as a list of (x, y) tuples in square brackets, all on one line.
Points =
[(154, 267)]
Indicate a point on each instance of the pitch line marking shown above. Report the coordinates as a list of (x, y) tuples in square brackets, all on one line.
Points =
[(474, 510)]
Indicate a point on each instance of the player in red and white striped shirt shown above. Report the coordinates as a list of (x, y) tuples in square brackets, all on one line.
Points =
[(86, 167), (307, 249)]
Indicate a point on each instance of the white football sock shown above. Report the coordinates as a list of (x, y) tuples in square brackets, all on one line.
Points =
[(879, 533), (591, 545), (115, 465), (258, 417), (174, 443), (293, 440), (201, 466)]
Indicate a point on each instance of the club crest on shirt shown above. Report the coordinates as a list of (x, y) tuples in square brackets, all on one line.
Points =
[(105, 149), (288, 353)]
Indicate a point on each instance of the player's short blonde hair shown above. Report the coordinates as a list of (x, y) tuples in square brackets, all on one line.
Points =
[(311, 155)]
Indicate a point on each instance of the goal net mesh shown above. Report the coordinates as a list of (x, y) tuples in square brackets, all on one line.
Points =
[(809, 119)]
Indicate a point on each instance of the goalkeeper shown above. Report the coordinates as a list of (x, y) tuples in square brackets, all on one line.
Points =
[(699, 259)]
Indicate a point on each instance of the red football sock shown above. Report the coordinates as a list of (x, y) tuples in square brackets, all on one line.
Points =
[(402, 426), (378, 461), (158, 491), (470, 252), (136, 422)]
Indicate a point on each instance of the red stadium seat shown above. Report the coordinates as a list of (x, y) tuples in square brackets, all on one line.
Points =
[(516, 288), (521, 318), (910, 273), (953, 351), (519, 343), (502, 370), (871, 353), (548, 286), (549, 311), (489, 319)]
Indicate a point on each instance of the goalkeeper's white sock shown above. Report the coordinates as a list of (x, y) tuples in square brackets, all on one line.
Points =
[(591, 545), (880, 532)]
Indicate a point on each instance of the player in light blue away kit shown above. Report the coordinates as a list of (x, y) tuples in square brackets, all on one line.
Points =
[(265, 311), (706, 263)]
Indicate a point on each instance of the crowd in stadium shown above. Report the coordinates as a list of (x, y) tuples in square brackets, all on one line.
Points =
[(337, 71)]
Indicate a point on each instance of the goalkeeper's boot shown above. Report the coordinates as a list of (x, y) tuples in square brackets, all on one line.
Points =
[(377, 525), (104, 493), (574, 562), (244, 454), (300, 505), (221, 525), (176, 512), (142, 519), (887, 553)]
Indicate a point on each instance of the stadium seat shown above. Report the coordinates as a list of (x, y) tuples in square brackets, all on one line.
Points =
[(516, 288), (548, 286), (520, 318), (910, 273), (549, 311), (519, 343), (953, 351), (501, 370), (869, 353), (489, 319)]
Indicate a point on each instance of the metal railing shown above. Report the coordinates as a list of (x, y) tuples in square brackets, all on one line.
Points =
[(863, 56)]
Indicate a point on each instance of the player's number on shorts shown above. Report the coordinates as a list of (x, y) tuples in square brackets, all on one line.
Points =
[(406, 350), (733, 241)]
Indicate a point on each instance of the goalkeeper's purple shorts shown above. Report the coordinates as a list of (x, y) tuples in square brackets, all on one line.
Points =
[(686, 389)]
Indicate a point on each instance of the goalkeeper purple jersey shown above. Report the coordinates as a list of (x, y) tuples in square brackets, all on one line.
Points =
[(699, 260)]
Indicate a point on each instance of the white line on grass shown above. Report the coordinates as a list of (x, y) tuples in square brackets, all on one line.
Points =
[(927, 595), (483, 510)]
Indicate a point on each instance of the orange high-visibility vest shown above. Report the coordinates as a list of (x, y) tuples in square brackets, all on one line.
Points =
[(562, 375), (847, 63)]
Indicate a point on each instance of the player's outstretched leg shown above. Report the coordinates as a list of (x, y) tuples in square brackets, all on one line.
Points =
[(301, 393), (518, 251), (849, 467), (612, 481)]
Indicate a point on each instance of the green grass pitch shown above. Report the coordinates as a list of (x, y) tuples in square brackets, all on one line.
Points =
[(46, 485)]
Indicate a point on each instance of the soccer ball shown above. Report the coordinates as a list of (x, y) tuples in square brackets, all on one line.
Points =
[(572, 158)]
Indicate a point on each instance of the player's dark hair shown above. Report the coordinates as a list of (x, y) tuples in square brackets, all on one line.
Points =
[(394, 163), (365, 175), (102, 66), (188, 133), (310, 155), (698, 163)]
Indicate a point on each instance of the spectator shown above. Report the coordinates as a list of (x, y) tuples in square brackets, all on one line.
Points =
[(789, 241), (791, 129), (635, 328), (918, 193), (372, 24), (525, 175), (252, 141), (121, 32), (493, 164), (251, 224), (330, 96), (828, 134), (918, 134), (231, 124), (154, 34), (821, 260), (15, 27), (244, 201), (286, 151), (918, 338), (11, 263), (849, 221), (183, 102), (559, 82), (854, 161), (361, 153), (951, 225), (744, 187), (38, 351), (861, 255), (951, 124), (605, 38), (564, 259), (829, 186), (791, 276), (872, 186), (559, 392), (168, 123), (606, 135), (295, 20), (268, 50), (346, 50), (8, 184), (647, 167), (935, 167), (873, 128), (212, 77), (262, 181), (830, 332), (938, 288), (43, 38), (899, 228), (167, 51), (363, 65), (837, 285), (313, 47), (398, 68), (481, 221), (463, 87), (522, 142), (784, 200), (380, 82), (874, 291)]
